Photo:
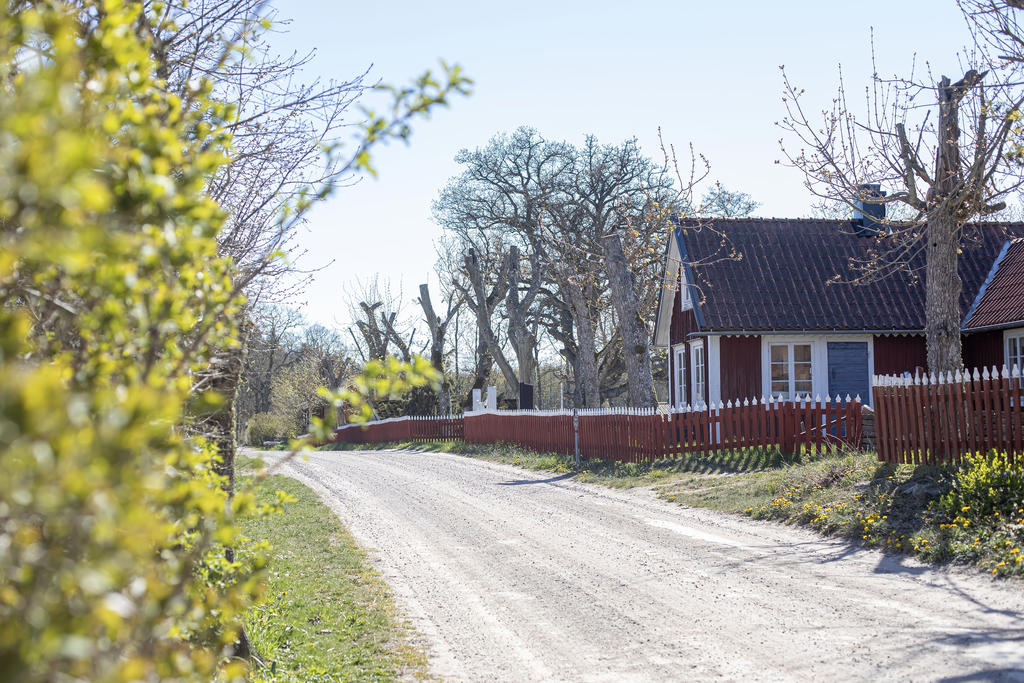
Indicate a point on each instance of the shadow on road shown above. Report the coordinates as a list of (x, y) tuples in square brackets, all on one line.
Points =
[(549, 480), (993, 674)]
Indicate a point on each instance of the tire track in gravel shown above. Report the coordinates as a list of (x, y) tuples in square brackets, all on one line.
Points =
[(515, 575)]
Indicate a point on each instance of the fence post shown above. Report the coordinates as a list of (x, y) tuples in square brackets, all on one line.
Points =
[(576, 434), (787, 417)]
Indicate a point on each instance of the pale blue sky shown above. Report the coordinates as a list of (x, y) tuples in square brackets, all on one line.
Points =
[(705, 72)]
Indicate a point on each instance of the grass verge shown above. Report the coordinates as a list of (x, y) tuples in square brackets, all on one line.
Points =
[(328, 615), (939, 514)]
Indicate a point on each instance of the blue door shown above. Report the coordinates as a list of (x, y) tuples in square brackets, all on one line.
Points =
[(848, 370)]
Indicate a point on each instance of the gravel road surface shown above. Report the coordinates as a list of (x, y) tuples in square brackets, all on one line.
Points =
[(521, 576)]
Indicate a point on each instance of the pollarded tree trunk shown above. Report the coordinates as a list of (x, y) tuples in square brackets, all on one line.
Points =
[(942, 284), (438, 329), (636, 351), (942, 296)]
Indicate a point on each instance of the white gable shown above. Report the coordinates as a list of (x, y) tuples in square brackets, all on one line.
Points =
[(667, 300)]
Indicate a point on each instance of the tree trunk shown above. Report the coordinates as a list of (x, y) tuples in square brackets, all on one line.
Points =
[(635, 338), (224, 422), (942, 280), (438, 329), (585, 362), (523, 340), (482, 369), (483, 321), (224, 425), (942, 296)]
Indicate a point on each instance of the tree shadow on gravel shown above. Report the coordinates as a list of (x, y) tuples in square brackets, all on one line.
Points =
[(991, 674), (549, 480)]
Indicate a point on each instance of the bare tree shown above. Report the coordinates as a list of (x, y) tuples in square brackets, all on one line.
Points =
[(633, 331), (566, 206), (272, 343), (494, 211), (940, 148), (438, 328), (288, 140), (617, 188), (483, 306), (380, 327)]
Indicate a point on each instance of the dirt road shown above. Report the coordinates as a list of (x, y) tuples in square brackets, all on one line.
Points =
[(512, 575)]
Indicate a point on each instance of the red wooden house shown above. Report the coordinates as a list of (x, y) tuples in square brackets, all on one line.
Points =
[(761, 307)]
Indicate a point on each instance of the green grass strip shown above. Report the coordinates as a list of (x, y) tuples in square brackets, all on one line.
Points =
[(328, 615)]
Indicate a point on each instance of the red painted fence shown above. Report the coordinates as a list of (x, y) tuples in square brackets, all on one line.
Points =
[(937, 419), (402, 429), (635, 435)]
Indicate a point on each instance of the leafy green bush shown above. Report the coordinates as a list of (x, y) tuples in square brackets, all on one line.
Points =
[(269, 426), (985, 485), (113, 527)]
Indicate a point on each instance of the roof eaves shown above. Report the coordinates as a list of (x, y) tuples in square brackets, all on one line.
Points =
[(995, 326), (984, 285)]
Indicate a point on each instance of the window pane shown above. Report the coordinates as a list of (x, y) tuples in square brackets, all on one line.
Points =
[(780, 388), (802, 372), (779, 372), (780, 353), (802, 353), (802, 387)]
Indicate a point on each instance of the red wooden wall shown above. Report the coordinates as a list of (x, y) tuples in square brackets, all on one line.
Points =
[(896, 354), (983, 350), (683, 323), (740, 368)]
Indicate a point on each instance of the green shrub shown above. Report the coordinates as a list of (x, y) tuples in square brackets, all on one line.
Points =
[(269, 426), (113, 526), (985, 486)]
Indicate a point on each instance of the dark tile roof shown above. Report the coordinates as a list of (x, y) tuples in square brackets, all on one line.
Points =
[(1001, 302), (776, 274)]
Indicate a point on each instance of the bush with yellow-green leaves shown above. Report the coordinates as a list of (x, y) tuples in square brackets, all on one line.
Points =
[(113, 526), (971, 512)]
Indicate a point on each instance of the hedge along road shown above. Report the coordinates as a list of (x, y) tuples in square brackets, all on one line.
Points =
[(515, 575)]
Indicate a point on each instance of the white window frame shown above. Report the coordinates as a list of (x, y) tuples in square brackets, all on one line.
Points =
[(678, 378), (790, 346), (819, 359), (1017, 335), (698, 371), (685, 300)]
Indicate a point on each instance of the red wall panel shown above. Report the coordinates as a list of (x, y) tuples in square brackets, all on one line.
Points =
[(740, 368), (683, 323), (983, 350), (896, 354)]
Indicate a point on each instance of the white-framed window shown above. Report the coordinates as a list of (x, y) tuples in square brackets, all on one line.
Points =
[(698, 374), (685, 302), (1015, 349), (790, 369), (679, 366)]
